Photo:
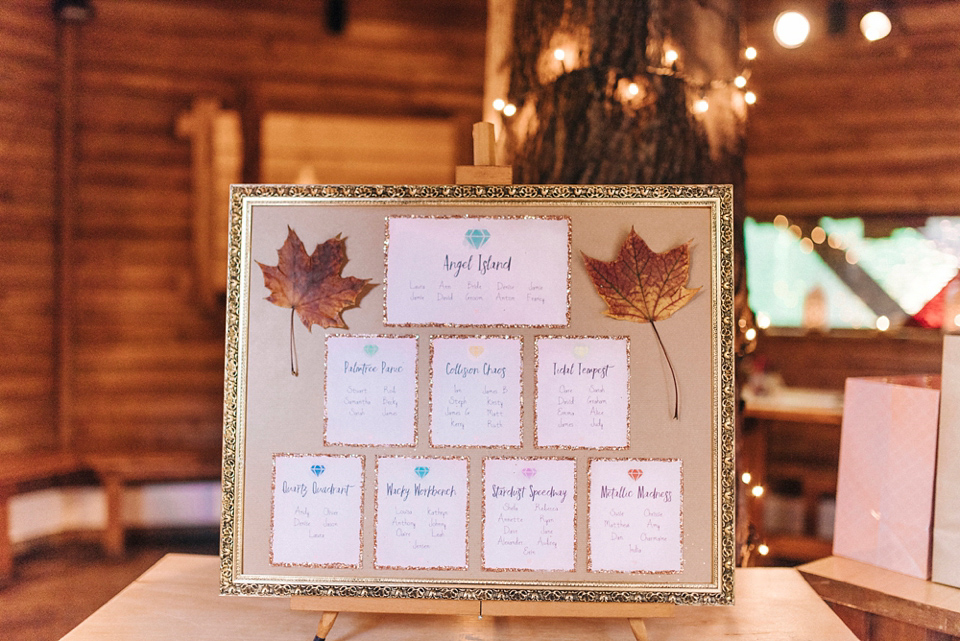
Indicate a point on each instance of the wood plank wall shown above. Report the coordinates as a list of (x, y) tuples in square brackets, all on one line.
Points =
[(28, 99), (847, 127), (149, 356)]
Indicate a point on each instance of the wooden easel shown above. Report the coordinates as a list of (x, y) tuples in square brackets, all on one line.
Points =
[(484, 171)]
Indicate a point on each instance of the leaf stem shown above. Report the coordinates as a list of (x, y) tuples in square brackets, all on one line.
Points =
[(294, 361), (676, 387)]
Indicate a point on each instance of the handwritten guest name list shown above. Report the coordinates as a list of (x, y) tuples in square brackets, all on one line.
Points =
[(636, 516), (317, 510), (476, 391), (421, 515), (371, 390), (477, 271), (529, 509), (582, 392)]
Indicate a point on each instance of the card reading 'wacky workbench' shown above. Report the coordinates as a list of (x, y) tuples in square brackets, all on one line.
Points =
[(421, 513)]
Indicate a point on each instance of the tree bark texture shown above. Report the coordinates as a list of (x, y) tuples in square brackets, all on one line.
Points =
[(578, 122)]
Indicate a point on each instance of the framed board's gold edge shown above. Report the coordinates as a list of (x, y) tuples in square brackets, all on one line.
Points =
[(719, 198)]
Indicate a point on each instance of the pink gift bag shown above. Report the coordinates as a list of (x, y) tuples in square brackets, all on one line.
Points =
[(888, 452)]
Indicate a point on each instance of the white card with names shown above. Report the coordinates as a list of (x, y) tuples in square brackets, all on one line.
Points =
[(421, 514), (370, 390), (467, 271), (529, 514), (476, 393), (317, 511), (583, 392), (636, 516)]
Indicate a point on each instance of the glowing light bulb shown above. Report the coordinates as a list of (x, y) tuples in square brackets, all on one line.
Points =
[(671, 56), (763, 320), (739, 82), (763, 549), (499, 104), (818, 235), (806, 245), (780, 222), (875, 26), (757, 490), (750, 334), (701, 106), (746, 477), (509, 109), (559, 54), (633, 89), (791, 29), (750, 98), (750, 53), (883, 323)]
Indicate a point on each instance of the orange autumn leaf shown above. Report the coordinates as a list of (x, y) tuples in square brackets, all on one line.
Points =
[(644, 286), (311, 285), (641, 285)]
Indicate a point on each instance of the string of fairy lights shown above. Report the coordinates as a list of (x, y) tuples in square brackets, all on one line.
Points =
[(791, 29), (563, 61)]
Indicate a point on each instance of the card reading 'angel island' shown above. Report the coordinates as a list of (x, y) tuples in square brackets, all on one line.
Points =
[(317, 511), (421, 514), (583, 392), (476, 390), (636, 516), (467, 271), (529, 514), (370, 391)]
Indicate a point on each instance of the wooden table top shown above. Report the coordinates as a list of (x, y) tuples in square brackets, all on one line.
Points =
[(885, 593), (177, 599)]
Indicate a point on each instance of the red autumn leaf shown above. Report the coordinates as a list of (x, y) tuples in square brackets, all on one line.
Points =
[(311, 285), (643, 286)]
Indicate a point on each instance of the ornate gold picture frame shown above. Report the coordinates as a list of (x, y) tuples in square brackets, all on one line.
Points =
[(480, 392)]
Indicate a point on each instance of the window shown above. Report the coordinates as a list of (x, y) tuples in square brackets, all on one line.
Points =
[(853, 273)]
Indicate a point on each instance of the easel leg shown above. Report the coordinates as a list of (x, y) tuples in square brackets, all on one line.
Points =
[(326, 622), (639, 629)]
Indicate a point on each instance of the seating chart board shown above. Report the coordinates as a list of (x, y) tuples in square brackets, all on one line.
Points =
[(480, 392)]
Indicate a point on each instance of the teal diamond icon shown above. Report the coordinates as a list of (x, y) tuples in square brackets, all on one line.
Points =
[(421, 470), (477, 237)]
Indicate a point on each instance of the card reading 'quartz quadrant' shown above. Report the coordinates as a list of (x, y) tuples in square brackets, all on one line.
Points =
[(317, 510), (636, 516), (421, 514), (475, 391), (529, 514), (370, 390), (477, 271), (583, 392)]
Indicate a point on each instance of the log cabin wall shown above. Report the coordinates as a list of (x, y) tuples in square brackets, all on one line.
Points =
[(146, 366), (846, 127), (28, 99)]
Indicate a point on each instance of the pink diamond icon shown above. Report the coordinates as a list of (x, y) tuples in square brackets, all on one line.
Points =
[(634, 473), (529, 472)]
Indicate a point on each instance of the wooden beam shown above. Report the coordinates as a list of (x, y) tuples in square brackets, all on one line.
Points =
[(65, 190)]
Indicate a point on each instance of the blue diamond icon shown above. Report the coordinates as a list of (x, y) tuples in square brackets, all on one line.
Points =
[(477, 237), (317, 469), (421, 470)]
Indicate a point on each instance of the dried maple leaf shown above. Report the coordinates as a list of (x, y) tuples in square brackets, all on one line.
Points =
[(643, 286), (311, 285)]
